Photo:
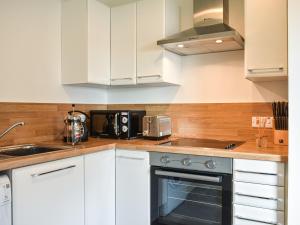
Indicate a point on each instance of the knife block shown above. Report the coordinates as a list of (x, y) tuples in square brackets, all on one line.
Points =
[(281, 137)]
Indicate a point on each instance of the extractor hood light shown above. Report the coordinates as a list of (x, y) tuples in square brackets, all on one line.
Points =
[(219, 41), (180, 46)]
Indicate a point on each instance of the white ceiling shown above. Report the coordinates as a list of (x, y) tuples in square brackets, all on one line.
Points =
[(116, 2)]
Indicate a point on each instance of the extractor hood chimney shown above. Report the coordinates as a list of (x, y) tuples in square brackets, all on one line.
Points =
[(211, 32)]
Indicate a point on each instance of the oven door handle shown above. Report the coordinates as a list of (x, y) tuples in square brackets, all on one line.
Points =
[(214, 179)]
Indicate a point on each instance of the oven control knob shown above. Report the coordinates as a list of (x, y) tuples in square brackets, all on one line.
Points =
[(124, 120), (186, 162), (210, 164), (165, 159), (124, 129)]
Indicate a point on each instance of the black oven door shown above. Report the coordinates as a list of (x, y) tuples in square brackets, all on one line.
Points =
[(181, 197)]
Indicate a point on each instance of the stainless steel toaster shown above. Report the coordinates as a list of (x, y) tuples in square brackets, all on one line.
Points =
[(157, 126)]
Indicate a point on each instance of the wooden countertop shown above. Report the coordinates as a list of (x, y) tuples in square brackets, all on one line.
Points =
[(245, 151)]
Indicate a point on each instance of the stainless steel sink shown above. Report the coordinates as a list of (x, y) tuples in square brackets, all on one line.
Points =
[(26, 150)]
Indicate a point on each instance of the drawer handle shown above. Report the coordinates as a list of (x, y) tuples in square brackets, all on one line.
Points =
[(149, 76), (257, 221), (273, 174), (265, 70), (253, 196), (52, 171), (116, 79), (132, 158)]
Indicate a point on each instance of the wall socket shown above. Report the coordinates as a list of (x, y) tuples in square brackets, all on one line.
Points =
[(259, 121)]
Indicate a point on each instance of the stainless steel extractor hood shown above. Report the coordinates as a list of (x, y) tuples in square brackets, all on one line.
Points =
[(211, 32)]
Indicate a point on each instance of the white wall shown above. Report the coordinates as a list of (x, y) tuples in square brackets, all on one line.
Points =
[(294, 119), (30, 55)]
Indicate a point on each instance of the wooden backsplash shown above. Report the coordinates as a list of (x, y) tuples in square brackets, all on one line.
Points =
[(44, 122), (223, 121)]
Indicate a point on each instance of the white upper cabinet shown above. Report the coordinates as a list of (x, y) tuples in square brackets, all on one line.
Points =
[(85, 42), (123, 44), (156, 19), (266, 40)]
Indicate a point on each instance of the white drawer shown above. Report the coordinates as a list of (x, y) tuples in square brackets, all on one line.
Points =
[(259, 215), (258, 190), (275, 204), (255, 166), (259, 178), (237, 221)]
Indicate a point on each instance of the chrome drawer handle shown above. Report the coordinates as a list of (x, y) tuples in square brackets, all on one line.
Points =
[(149, 76), (52, 171), (265, 70), (257, 221), (253, 196), (116, 79)]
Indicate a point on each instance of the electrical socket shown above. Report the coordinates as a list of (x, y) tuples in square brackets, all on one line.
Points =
[(257, 121)]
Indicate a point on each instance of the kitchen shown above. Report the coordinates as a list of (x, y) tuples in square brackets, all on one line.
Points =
[(49, 61)]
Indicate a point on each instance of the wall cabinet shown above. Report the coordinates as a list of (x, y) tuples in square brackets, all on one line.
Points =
[(132, 188), (259, 192), (156, 19), (100, 188), (135, 56), (123, 44), (85, 42), (49, 193), (266, 40)]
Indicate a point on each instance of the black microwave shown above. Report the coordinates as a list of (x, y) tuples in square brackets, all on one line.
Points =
[(123, 124)]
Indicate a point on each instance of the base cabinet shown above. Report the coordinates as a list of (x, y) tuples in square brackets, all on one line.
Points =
[(100, 188), (132, 188), (49, 193)]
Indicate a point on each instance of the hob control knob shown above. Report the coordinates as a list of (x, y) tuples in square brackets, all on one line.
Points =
[(186, 162), (165, 159), (210, 164), (124, 129), (124, 120)]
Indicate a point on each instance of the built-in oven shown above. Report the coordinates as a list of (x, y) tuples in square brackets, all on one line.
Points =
[(190, 190)]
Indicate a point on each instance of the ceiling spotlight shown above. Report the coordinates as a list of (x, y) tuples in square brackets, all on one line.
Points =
[(180, 46), (219, 41)]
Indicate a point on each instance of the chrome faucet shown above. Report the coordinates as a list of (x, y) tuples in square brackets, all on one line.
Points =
[(10, 128)]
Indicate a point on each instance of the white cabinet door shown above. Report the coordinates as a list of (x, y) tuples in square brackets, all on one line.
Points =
[(85, 42), (100, 188), (266, 40), (156, 19), (49, 193), (132, 188), (123, 44)]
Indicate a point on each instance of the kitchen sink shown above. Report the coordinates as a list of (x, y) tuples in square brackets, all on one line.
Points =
[(26, 150)]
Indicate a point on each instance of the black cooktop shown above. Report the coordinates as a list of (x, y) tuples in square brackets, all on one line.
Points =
[(203, 143)]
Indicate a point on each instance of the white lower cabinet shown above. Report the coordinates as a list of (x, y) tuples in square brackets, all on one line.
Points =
[(258, 192), (49, 193), (100, 188), (132, 188)]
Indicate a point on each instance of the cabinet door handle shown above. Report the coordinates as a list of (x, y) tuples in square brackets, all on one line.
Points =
[(253, 196), (266, 70), (116, 79), (132, 158), (149, 76), (52, 171), (257, 221)]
